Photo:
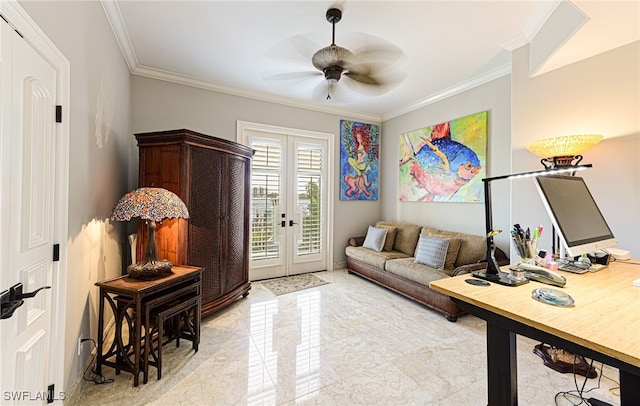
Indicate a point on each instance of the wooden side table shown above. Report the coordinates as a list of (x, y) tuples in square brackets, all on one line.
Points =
[(123, 294)]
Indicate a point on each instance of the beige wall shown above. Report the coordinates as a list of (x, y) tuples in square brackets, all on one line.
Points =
[(100, 150), (160, 105), (599, 95), (493, 97)]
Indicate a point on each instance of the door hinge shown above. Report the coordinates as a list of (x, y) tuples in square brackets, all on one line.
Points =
[(58, 114), (56, 252), (50, 389)]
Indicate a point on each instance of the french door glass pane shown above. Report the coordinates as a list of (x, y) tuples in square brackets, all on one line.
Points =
[(265, 200), (309, 199)]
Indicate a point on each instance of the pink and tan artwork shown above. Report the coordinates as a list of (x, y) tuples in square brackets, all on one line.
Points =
[(445, 162), (359, 160)]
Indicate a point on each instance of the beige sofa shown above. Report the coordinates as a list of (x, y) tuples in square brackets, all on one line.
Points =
[(395, 268)]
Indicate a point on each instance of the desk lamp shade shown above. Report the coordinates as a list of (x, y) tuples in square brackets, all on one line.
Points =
[(153, 205), (562, 151)]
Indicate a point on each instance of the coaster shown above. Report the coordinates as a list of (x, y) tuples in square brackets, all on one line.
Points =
[(477, 282), (553, 297)]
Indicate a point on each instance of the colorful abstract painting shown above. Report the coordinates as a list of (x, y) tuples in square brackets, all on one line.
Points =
[(359, 145), (445, 162)]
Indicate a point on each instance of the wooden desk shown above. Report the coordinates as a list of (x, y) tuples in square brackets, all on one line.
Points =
[(604, 324), (124, 294)]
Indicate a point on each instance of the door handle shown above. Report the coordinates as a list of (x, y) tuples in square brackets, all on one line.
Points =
[(13, 298), (291, 223), (283, 223)]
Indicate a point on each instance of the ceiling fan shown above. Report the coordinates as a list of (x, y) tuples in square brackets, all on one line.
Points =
[(367, 70), (335, 61)]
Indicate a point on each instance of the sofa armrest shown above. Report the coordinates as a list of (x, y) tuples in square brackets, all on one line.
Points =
[(356, 241), (501, 258)]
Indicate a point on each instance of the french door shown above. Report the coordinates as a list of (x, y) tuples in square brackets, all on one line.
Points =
[(289, 204)]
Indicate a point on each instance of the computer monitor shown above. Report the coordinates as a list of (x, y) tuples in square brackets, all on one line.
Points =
[(575, 214)]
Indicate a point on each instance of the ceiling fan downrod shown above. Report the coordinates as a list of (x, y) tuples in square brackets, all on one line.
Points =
[(334, 15)]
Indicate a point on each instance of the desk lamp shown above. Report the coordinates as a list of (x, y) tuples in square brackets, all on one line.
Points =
[(153, 205), (492, 272)]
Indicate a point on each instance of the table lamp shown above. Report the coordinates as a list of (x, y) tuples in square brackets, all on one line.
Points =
[(561, 151), (153, 205)]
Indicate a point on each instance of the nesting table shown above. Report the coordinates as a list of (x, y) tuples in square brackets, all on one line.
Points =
[(126, 297)]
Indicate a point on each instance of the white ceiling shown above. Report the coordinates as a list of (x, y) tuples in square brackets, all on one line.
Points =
[(263, 49)]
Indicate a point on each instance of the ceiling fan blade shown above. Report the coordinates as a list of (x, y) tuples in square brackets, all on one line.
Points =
[(298, 48), (362, 77), (373, 84), (378, 50), (301, 75)]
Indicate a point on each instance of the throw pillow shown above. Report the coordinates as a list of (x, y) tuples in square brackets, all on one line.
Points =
[(432, 251), (452, 250), (390, 238), (375, 238)]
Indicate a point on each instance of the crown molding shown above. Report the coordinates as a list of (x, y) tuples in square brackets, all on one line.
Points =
[(539, 19), (451, 91), (172, 77), (114, 16)]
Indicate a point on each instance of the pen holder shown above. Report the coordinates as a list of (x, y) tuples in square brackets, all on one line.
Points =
[(525, 260), (526, 250)]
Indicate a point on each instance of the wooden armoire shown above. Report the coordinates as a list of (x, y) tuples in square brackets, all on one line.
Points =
[(212, 177)]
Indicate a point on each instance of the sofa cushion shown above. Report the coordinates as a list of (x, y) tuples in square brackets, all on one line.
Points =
[(452, 255), (375, 238), (472, 247), (406, 236), (373, 258), (432, 251), (390, 238), (408, 269)]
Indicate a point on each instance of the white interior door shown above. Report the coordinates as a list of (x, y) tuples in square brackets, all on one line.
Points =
[(28, 177), (289, 185)]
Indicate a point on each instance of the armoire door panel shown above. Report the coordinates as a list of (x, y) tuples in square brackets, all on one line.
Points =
[(235, 224), (206, 227)]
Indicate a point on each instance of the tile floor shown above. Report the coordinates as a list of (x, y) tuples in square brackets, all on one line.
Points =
[(350, 342)]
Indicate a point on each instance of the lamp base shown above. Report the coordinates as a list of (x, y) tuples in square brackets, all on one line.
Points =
[(500, 278), (150, 270)]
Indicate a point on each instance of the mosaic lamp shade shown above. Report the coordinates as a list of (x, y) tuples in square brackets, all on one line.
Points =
[(153, 205), (562, 151)]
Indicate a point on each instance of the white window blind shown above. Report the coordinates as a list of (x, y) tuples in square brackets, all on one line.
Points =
[(265, 200), (309, 199)]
